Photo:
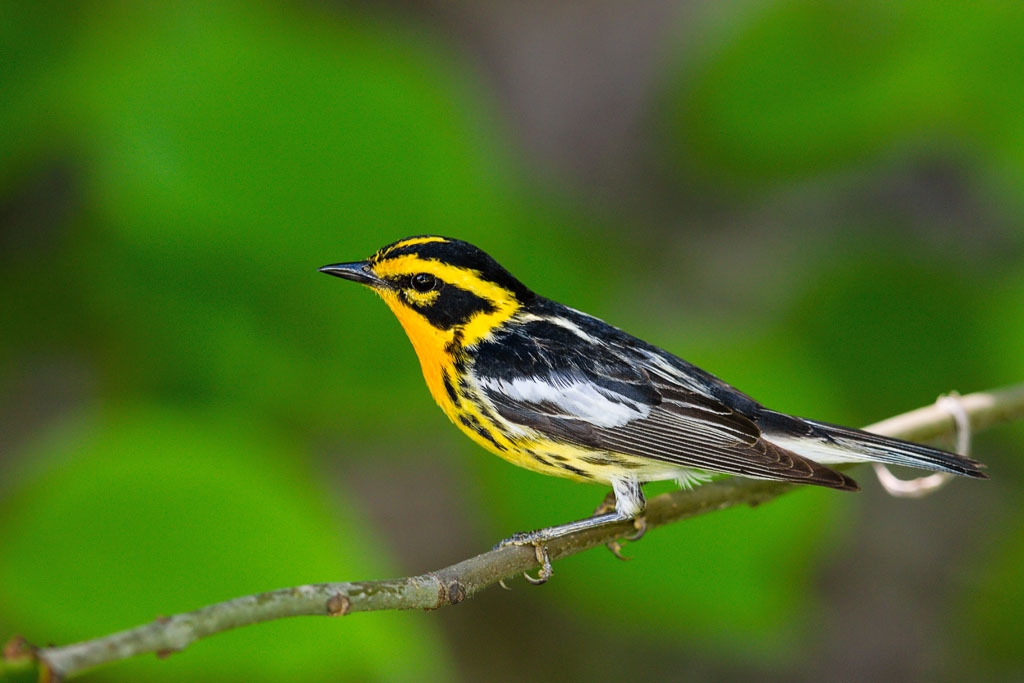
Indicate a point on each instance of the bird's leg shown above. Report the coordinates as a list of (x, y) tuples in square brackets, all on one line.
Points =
[(540, 536), (629, 503), (608, 505), (611, 502)]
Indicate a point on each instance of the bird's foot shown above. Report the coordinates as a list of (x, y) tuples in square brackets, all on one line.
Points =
[(616, 548), (640, 524), (540, 538), (536, 539)]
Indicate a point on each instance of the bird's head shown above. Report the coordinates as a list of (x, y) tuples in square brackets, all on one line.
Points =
[(442, 290)]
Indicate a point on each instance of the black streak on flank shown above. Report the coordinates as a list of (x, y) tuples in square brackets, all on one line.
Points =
[(471, 423), (574, 470), (452, 394), (541, 460), (609, 461)]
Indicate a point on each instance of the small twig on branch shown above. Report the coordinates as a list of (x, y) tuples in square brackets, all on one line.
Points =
[(452, 585)]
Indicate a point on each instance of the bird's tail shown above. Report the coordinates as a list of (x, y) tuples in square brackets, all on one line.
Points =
[(884, 449)]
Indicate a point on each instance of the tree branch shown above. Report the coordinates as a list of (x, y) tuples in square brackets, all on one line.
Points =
[(452, 585)]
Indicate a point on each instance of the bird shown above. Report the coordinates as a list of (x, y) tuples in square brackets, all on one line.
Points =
[(560, 392)]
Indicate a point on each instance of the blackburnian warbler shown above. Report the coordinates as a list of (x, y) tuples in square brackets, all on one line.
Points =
[(560, 392)]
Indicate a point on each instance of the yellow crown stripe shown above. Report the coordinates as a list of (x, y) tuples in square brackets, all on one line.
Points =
[(411, 242)]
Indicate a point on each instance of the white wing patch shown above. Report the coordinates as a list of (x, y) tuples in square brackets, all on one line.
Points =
[(579, 400)]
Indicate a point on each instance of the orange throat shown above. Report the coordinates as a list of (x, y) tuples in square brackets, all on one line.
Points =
[(430, 344)]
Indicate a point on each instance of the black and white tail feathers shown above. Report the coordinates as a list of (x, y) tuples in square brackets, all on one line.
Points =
[(832, 444)]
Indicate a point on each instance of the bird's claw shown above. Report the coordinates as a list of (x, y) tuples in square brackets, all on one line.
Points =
[(616, 549), (640, 524), (546, 571), (541, 550)]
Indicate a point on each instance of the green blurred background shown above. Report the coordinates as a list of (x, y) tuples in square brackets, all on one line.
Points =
[(820, 202)]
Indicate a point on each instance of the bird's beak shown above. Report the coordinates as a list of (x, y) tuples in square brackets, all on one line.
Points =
[(358, 271)]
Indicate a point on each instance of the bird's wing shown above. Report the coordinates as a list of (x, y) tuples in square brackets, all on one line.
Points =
[(598, 400)]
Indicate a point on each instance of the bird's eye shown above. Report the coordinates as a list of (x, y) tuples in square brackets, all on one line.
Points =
[(423, 282)]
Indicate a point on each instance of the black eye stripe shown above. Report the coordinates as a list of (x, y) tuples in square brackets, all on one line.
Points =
[(404, 282), (453, 307)]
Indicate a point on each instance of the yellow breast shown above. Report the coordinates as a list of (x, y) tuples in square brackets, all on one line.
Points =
[(437, 361)]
